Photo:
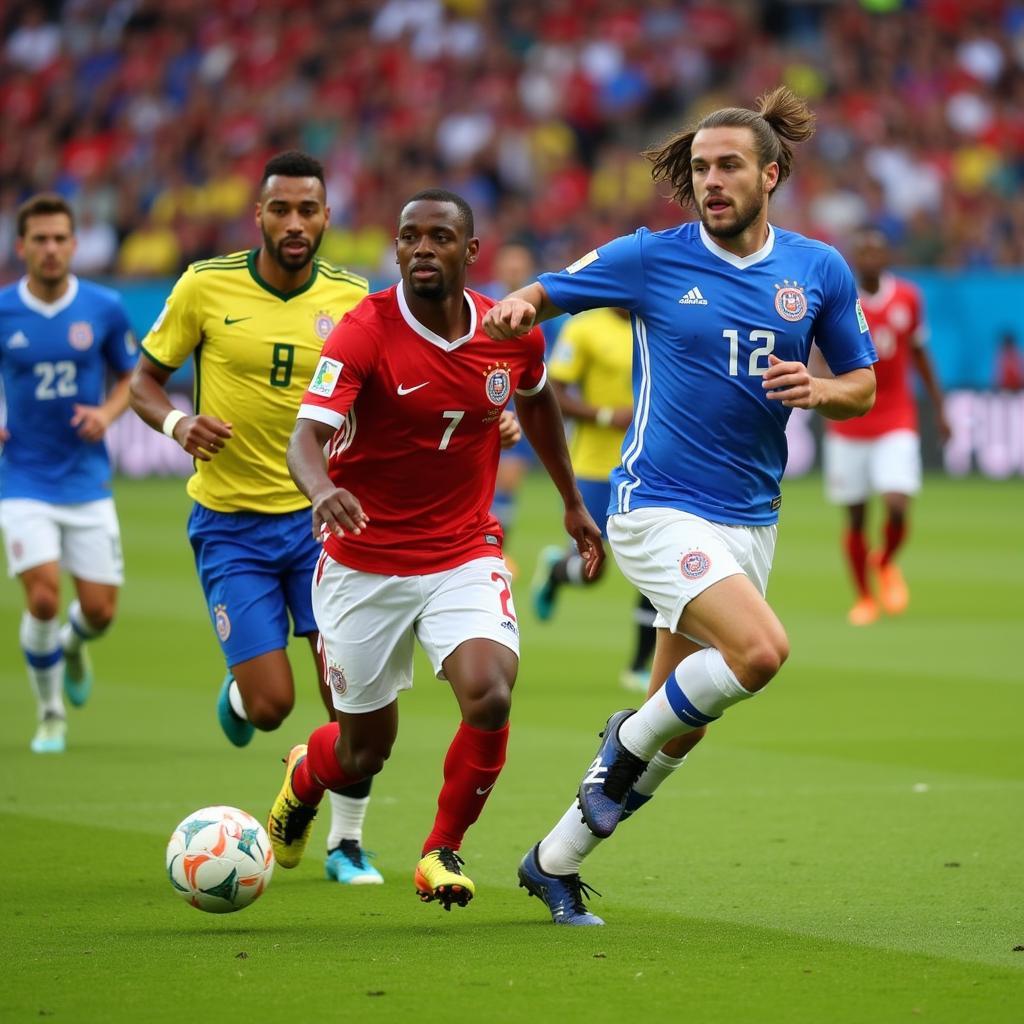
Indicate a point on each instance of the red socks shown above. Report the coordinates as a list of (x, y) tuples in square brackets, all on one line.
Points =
[(895, 535), (471, 769), (857, 556), (319, 770)]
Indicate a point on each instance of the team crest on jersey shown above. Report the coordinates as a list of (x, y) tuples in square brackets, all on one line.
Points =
[(694, 564), (222, 622), (337, 680), (790, 301), (498, 383), (323, 324), (326, 377), (80, 335)]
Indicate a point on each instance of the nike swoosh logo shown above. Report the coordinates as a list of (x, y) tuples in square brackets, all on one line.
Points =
[(403, 390), (484, 792), (235, 320)]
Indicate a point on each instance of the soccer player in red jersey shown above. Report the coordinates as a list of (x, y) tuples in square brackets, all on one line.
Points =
[(408, 395), (880, 453)]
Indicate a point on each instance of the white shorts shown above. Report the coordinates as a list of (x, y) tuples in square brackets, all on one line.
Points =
[(367, 624), (854, 470), (672, 556), (85, 539)]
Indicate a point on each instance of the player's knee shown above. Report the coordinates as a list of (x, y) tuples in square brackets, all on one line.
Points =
[(489, 708), (268, 710), (762, 660), (43, 602), (99, 614)]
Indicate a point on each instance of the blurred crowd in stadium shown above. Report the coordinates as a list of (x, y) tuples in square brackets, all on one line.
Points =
[(154, 117)]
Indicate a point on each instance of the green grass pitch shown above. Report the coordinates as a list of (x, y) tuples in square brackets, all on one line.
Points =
[(848, 847)]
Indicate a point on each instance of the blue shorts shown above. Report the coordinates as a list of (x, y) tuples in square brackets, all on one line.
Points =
[(255, 569), (597, 496)]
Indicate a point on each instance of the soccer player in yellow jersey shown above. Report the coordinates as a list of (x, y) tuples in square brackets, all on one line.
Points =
[(254, 323), (590, 370)]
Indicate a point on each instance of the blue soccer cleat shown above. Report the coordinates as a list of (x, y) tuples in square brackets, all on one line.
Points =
[(347, 863), (543, 589), (77, 676), (610, 777), (238, 730), (562, 894)]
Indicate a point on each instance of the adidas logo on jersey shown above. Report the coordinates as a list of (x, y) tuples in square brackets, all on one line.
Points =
[(17, 340), (693, 298)]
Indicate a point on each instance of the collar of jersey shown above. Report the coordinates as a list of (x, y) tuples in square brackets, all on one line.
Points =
[(429, 335), (739, 262), (284, 296), (48, 309)]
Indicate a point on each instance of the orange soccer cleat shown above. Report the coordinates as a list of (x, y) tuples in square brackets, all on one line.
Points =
[(864, 612), (892, 589)]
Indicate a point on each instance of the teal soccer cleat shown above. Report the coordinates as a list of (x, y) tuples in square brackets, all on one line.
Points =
[(543, 589), (77, 676), (238, 730), (347, 863)]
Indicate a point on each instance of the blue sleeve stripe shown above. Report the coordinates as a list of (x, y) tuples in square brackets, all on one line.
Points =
[(682, 707), (640, 416), (43, 660)]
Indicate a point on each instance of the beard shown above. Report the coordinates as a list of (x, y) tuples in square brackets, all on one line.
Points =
[(436, 288), (745, 216), (285, 260)]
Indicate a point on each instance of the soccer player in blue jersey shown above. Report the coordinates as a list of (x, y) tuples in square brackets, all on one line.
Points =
[(724, 311), (59, 338)]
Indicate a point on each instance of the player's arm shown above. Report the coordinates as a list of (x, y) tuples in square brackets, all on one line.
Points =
[(519, 311), (926, 371), (542, 423), (836, 398), (201, 436), (603, 415), (92, 421), (334, 508)]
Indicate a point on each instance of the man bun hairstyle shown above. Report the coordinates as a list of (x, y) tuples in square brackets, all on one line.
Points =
[(41, 205), (781, 118)]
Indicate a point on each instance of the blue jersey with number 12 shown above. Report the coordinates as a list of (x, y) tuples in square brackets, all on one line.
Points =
[(704, 437), (54, 356)]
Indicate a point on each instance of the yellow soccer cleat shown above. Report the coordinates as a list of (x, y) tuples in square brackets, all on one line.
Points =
[(438, 878), (290, 821)]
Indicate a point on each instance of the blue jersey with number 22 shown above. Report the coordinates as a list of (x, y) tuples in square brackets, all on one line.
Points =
[(704, 438), (54, 356)]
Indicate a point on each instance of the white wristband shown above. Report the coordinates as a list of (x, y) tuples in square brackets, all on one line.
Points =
[(603, 416), (171, 421)]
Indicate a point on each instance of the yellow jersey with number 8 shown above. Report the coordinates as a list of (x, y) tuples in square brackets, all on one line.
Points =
[(255, 350)]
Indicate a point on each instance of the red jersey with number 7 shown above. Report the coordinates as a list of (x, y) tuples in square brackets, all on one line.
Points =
[(416, 431), (896, 321)]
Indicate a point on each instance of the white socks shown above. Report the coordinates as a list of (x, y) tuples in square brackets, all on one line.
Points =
[(76, 630), (40, 642), (235, 700), (347, 816), (563, 850), (697, 693)]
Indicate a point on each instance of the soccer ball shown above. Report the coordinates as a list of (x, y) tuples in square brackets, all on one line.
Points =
[(219, 859)]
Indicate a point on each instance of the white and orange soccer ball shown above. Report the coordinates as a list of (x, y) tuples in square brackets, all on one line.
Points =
[(219, 859)]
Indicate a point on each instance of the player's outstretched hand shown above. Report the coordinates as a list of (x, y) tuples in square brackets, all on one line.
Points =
[(791, 384), (90, 422), (508, 319), (336, 511), (582, 528), (202, 436), (508, 430)]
